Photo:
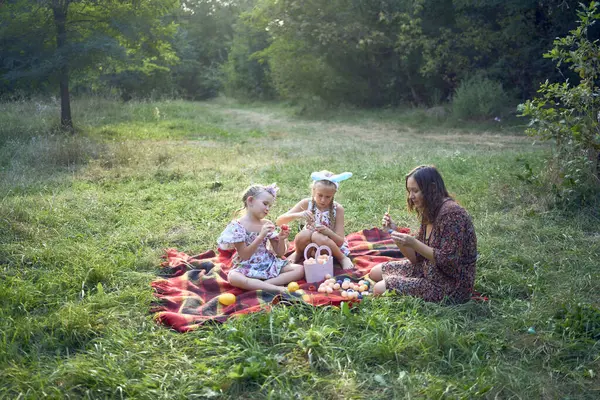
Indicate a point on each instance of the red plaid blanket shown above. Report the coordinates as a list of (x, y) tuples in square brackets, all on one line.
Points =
[(188, 297)]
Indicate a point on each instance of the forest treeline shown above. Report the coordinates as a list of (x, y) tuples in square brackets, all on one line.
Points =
[(479, 58), (360, 52)]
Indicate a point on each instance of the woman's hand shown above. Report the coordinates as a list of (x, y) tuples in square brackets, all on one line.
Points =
[(266, 229), (404, 240), (387, 222)]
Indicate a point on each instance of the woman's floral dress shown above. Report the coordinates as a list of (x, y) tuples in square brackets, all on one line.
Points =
[(452, 274), (323, 218), (263, 264)]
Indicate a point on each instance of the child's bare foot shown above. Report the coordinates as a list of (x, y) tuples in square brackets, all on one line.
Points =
[(346, 263)]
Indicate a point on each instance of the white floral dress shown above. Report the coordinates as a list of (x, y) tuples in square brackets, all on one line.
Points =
[(323, 218), (263, 264)]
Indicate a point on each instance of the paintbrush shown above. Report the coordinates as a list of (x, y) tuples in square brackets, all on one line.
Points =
[(390, 230)]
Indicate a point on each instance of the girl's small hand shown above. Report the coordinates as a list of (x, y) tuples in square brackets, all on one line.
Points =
[(323, 230), (387, 222), (266, 229), (402, 239), (284, 233), (308, 216)]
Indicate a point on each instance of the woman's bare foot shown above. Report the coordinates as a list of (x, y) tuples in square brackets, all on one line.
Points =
[(346, 263)]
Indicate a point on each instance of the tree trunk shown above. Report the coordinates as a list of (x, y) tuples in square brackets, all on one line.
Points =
[(59, 8)]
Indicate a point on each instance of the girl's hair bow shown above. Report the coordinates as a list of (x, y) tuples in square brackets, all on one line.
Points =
[(272, 189)]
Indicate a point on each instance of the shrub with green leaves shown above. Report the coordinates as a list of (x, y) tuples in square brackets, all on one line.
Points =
[(478, 97), (569, 115)]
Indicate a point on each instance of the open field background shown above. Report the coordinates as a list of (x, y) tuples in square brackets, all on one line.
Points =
[(84, 220)]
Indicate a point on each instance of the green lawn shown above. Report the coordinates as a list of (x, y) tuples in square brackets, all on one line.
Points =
[(84, 220)]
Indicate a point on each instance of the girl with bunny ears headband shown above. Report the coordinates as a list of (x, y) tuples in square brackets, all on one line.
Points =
[(324, 218), (331, 177)]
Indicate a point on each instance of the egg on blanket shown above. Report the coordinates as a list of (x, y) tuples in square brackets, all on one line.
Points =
[(227, 299)]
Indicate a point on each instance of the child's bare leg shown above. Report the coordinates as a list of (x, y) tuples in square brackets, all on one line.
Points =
[(289, 273), (343, 259), (243, 282), (293, 257), (301, 240)]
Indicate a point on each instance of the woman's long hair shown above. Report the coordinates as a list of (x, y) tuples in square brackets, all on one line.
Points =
[(433, 189)]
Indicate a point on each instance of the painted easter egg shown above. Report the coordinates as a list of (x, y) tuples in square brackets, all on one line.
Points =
[(227, 299)]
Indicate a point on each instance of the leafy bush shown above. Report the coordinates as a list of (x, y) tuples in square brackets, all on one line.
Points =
[(301, 76), (478, 98), (569, 115)]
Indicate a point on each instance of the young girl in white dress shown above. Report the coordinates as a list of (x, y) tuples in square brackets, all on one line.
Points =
[(255, 266), (324, 218)]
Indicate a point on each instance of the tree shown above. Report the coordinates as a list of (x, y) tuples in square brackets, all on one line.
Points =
[(338, 51), (203, 42), (394, 51), (246, 75), (91, 36)]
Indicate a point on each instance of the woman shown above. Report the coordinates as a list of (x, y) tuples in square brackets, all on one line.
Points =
[(440, 260)]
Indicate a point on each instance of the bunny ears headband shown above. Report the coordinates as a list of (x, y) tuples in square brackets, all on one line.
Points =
[(328, 176)]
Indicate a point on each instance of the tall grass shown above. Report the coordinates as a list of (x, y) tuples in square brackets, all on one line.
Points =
[(84, 220)]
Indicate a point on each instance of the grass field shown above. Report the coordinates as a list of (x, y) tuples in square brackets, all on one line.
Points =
[(84, 220)]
